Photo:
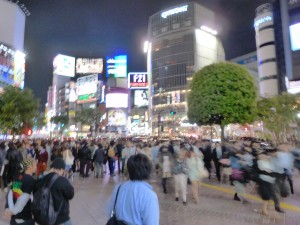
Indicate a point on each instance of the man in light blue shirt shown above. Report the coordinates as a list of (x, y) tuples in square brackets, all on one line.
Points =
[(137, 203)]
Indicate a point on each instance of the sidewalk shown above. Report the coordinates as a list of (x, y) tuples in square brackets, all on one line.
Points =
[(89, 206)]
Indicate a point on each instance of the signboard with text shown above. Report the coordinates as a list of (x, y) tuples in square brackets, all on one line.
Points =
[(138, 80)]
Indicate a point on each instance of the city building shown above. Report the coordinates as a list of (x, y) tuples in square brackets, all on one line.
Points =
[(249, 61), (277, 27), (182, 40), (12, 57)]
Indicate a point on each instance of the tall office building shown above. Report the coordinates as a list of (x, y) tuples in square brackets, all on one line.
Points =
[(277, 27), (182, 40)]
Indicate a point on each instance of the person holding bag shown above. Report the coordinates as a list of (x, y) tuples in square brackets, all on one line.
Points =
[(135, 202)]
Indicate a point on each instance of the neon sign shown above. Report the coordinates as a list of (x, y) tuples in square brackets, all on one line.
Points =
[(174, 11), (262, 20)]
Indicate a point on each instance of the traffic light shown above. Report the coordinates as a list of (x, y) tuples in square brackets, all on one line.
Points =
[(172, 113)]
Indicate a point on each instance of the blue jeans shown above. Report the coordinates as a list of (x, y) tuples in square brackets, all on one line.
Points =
[(111, 165)]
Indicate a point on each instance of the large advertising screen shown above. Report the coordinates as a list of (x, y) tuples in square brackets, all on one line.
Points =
[(141, 98), (87, 84), (295, 36), (89, 65), (116, 66), (116, 100), (64, 65), (6, 64), (19, 69), (138, 80), (116, 117)]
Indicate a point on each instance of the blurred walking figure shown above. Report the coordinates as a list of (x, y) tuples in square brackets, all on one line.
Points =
[(196, 172), (166, 159), (180, 178), (98, 160), (84, 156)]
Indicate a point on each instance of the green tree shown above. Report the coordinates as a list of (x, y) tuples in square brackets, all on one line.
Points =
[(62, 121), (18, 108), (89, 116), (278, 113), (222, 93)]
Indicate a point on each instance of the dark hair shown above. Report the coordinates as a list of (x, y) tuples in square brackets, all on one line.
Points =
[(112, 143), (139, 167), (100, 146)]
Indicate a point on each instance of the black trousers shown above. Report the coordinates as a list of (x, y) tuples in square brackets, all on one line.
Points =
[(85, 167)]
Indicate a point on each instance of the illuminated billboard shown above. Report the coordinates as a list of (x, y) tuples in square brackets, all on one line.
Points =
[(19, 69), (117, 66), (138, 80), (87, 84), (89, 65), (117, 100), (12, 66), (86, 98), (64, 65), (295, 37), (141, 98), (6, 64), (116, 117)]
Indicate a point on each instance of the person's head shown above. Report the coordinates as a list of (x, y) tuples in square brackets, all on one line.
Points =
[(112, 143), (100, 146), (218, 144), (28, 166), (58, 166), (139, 167), (2, 145), (128, 144)]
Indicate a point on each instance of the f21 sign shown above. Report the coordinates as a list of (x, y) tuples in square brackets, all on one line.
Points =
[(138, 80)]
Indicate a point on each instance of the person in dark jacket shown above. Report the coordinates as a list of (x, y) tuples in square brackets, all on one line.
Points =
[(98, 160), (119, 147), (217, 155), (62, 191), (13, 158), (207, 155), (84, 156)]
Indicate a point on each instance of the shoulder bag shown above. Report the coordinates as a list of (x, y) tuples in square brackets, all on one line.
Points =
[(113, 219)]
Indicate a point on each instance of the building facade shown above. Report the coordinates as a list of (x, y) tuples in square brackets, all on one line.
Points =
[(277, 27), (12, 58), (181, 41)]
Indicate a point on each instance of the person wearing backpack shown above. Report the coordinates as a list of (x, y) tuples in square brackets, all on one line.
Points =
[(18, 205), (60, 191), (111, 158)]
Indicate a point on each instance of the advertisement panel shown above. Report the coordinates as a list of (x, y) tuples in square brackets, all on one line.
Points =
[(19, 69), (117, 117), (295, 36), (117, 100), (117, 66), (6, 64), (89, 65), (86, 98), (141, 98), (138, 80), (64, 65), (87, 85)]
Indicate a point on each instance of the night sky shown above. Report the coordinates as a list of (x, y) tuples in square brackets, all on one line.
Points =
[(97, 28)]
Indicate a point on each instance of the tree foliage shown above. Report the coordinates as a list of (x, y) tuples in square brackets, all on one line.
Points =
[(61, 120), (88, 116), (17, 109), (222, 93), (278, 113)]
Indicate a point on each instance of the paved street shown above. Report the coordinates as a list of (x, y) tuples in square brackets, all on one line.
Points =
[(89, 206)]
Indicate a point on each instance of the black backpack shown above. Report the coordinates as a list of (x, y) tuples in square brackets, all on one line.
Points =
[(43, 209)]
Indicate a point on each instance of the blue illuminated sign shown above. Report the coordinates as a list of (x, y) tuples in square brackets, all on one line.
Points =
[(262, 20), (117, 66)]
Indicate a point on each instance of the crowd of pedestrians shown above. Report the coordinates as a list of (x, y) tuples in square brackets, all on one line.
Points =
[(27, 166)]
